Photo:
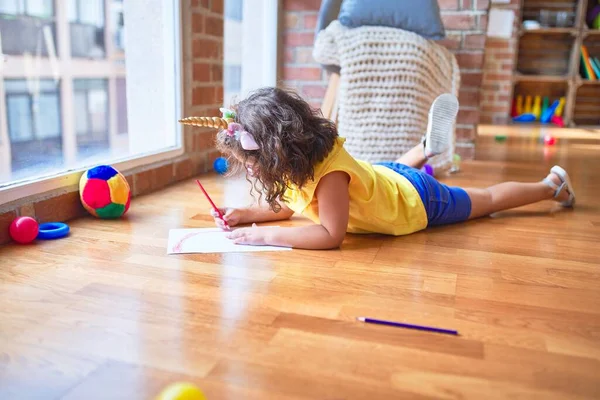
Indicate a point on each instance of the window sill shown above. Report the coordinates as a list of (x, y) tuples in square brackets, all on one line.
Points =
[(24, 189)]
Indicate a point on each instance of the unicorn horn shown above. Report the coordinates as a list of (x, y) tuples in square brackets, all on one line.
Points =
[(208, 122)]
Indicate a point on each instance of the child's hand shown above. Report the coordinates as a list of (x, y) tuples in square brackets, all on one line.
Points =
[(231, 215), (254, 236)]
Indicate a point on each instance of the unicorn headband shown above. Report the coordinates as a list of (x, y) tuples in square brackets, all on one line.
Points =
[(234, 129)]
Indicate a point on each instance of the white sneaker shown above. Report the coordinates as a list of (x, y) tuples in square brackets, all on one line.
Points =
[(442, 115)]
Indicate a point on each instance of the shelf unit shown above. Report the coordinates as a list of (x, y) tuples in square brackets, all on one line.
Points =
[(548, 60)]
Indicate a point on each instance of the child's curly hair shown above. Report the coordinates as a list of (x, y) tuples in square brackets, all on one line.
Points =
[(293, 138)]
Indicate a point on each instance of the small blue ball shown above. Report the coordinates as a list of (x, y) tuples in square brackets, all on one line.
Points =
[(428, 169), (220, 165)]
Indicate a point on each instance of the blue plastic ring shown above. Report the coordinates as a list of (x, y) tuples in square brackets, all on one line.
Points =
[(53, 230)]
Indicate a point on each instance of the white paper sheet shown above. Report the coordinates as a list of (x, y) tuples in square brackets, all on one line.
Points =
[(210, 240)]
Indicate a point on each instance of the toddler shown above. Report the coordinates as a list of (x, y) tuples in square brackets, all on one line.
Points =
[(299, 165)]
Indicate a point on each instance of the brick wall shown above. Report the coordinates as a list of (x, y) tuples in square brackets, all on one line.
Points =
[(499, 62), (465, 22), (202, 42)]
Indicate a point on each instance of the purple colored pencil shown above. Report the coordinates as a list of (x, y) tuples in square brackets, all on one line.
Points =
[(409, 326)]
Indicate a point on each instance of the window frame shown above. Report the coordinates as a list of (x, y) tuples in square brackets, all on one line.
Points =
[(19, 189)]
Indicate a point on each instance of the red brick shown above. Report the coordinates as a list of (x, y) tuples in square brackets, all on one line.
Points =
[(205, 140), (153, 179), (451, 42), (483, 22), (499, 77), (301, 5), (183, 169), (314, 91), (302, 73), (467, 116), (206, 48), (470, 60), (288, 56), (201, 72), (469, 98), (60, 208), (471, 79), (5, 220), (219, 95), (216, 73), (298, 39), (310, 21), (304, 55), (504, 56), (203, 96), (458, 21), (197, 23), (482, 5), (474, 42), (448, 4), (217, 6), (214, 26), (494, 43), (292, 21)]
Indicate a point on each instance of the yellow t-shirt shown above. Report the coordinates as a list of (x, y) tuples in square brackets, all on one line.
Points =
[(381, 200)]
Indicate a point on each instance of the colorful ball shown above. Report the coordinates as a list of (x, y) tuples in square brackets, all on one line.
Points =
[(181, 391), (220, 165), (23, 230), (104, 192)]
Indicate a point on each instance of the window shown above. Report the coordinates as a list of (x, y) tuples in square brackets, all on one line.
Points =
[(80, 103), (259, 54), (33, 119), (22, 25), (91, 116), (86, 19)]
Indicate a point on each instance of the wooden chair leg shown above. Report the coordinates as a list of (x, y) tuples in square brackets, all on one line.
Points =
[(330, 101)]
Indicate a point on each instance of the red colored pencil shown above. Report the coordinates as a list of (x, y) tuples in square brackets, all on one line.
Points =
[(212, 203)]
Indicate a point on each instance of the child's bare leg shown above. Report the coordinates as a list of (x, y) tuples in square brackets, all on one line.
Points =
[(510, 195), (415, 157)]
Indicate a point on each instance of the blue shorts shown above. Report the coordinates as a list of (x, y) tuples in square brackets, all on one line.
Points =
[(443, 204)]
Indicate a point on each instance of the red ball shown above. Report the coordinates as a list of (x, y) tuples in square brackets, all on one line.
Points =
[(549, 140), (24, 230)]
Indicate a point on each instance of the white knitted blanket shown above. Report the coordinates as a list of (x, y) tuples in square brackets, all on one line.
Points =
[(388, 79)]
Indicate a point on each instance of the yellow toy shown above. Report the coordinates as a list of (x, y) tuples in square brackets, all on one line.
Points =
[(181, 391), (560, 108), (528, 105), (537, 107)]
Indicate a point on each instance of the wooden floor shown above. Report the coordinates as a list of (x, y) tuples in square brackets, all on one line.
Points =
[(106, 314)]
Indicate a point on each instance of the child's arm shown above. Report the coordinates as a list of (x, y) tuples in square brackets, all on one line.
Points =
[(257, 213), (334, 203)]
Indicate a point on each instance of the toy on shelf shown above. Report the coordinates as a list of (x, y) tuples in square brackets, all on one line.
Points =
[(519, 105), (540, 110), (104, 192), (537, 107)]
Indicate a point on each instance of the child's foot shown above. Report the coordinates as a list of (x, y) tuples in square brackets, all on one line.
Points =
[(559, 181), (441, 121)]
